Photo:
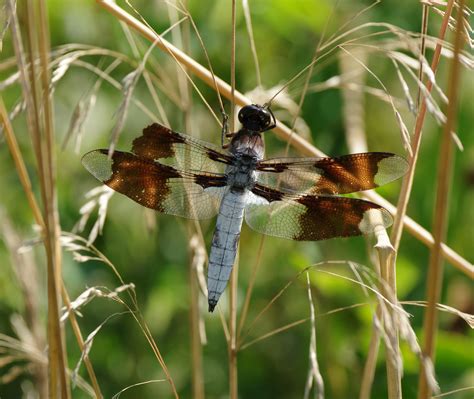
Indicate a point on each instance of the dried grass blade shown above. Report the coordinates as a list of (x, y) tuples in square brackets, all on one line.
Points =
[(20, 164), (5, 19), (407, 183), (353, 102), (88, 346), (119, 393), (406, 89), (435, 272), (59, 383), (274, 332), (251, 283), (233, 291), (40, 126), (197, 260), (248, 24), (387, 257), (371, 360), (403, 129), (314, 373)]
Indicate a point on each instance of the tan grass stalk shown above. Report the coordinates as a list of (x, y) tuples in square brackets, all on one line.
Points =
[(81, 343), (354, 127), (355, 134), (281, 130), (314, 373), (119, 393), (232, 344), (424, 31), (445, 165), (353, 111), (252, 279), (24, 268), (29, 86), (248, 24), (25, 181), (196, 241), (387, 257), (251, 283), (20, 164), (371, 360), (197, 259), (407, 183), (295, 120), (353, 101), (37, 28)]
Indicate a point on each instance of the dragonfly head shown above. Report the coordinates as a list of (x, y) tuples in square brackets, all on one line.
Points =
[(256, 118)]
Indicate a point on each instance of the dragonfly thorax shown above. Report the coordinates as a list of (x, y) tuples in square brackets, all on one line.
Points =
[(241, 174)]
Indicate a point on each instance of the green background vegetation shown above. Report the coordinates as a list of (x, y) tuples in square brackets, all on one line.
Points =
[(156, 259)]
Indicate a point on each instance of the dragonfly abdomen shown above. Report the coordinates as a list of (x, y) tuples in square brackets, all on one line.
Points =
[(224, 244)]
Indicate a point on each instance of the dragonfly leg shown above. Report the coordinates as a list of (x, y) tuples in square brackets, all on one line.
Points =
[(225, 127)]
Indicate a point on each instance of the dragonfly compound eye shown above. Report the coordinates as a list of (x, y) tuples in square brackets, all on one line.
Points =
[(255, 118)]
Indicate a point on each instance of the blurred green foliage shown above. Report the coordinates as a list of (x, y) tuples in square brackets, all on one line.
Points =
[(156, 260)]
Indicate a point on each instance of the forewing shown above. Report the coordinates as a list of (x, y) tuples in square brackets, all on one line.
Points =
[(339, 175), (179, 150), (156, 186), (312, 217)]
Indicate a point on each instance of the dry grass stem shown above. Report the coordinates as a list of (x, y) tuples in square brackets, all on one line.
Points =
[(353, 101), (20, 164), (119, 393), (38, 29), (248, 24), (445, 165), (416, 142), (355, 137), (197, 259), (371, 359), (403, 129), (274, 332), (387, 258), (314, 373), (467, 317), (233, 288), (24, 178), (30, 330), (251, 283)]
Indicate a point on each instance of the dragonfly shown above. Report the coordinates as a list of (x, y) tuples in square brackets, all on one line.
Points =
[(292, 198)]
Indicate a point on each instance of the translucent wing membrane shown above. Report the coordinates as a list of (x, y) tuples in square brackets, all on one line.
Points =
[(157, 186), (179, 150), (312, 217), (339, 175)]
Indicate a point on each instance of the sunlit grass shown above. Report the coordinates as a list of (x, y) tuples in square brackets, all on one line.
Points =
[(169, 81)]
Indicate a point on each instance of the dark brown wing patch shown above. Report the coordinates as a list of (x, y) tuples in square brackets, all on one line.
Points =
[(143, 181), (158, 143), (327, 217), (340, 175), (314, 217), (349, 173), (156, 186)]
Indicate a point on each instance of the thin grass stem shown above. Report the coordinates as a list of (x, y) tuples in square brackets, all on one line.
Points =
[(444, 178)]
